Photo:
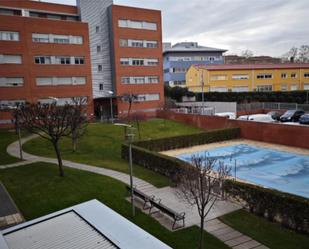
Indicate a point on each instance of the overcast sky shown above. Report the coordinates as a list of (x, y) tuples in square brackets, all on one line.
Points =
[(267, 27)]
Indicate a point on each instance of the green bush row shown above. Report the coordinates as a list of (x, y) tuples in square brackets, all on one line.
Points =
[(241, 97), (184, 141), (290, 210), (162, 164)]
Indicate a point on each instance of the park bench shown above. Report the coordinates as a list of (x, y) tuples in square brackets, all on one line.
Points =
[(156, 203), (142, 196), (167, 211)]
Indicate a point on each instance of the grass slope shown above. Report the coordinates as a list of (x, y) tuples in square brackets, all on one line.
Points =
[(7, 137), (270, 234), (101, 146), (38, 190)]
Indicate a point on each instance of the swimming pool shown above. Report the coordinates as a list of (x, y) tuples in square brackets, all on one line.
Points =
[(284, 171)]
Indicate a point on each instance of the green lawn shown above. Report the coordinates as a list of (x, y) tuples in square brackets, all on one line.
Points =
[(101, 146), (270, 234), (7, 137), (38, 190)]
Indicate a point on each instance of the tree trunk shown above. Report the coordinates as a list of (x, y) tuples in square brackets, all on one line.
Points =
[(56, 146), (74, 141), (202, 231)]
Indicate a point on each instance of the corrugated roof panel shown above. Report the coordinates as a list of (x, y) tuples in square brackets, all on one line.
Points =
[(65, 231)]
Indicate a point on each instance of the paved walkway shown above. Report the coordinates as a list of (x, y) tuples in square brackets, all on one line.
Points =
[(9, 213), (167, 195)]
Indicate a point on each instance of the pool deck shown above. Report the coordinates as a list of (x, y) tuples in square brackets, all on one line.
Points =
[(204, 147)]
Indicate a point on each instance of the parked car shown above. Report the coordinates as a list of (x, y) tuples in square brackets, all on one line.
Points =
[(230, 115), (257, 118), (304, 119), (275, 115), (243, 117), (291, 115), (261, 118)]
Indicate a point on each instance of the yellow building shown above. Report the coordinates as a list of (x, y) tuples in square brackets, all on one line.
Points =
[(246, 78)]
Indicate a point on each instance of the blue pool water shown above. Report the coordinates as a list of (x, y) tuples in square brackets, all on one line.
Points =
[(284, 171)]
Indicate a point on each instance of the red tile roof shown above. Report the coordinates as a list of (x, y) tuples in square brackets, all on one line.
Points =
[(251, 66)]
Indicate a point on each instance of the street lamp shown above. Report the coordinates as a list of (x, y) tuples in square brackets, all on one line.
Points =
[(129, 138)]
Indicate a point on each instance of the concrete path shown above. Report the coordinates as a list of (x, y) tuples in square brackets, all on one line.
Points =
[(167, 195), (9, 213)]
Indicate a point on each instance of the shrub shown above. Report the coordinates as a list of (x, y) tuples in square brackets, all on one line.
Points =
[(183, 141), (240, 97), (290, 210)]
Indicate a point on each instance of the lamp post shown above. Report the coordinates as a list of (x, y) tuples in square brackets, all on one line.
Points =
[(129, 138), (307, 98), (202, 84)]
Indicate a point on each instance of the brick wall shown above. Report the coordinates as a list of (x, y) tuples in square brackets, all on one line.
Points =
[(290, 135)]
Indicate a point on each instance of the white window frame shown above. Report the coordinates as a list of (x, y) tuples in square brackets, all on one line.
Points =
[(11, 82), (9, 36)]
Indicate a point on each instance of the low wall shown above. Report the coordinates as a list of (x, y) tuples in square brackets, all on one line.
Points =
[(290, 135)]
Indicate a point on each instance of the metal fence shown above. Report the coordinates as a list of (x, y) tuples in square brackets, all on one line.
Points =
[(196, 110), (272, 106)]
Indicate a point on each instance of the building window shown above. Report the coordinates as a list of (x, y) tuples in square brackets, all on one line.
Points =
[(124, 61), (293, 75), (100, 68), (240, 76), (178, 70), (137, 24), (151, 44), (101, 86), (9, 36), (64, 60), (52, 38), (11, 81), (284, 87), (294, 87), (9, 103), (264, 76), (42, 60), (10, 59), (306, 86), (218, 77), (54, 81), (218, 89), (284, 76), (61, 101), (137, 62), (97, 29), (123, 43), (240, 89), (98, 49), (264, 88), (148, 97), (137, 43), (306, 75), (140, 80), (79, 60)]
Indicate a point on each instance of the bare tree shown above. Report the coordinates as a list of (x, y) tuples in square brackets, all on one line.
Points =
[(49, 121), (247, 53), (201, 185), (78, 120), (291, 55), (303, 53), (130, 98)]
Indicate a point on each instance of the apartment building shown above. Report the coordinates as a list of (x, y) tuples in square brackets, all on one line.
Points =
[(95, 49), (44, 54), (247, 78), (179, 57), (126, 52), (137, 52)]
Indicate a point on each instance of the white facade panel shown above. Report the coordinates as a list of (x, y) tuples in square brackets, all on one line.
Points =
[(95, 13)]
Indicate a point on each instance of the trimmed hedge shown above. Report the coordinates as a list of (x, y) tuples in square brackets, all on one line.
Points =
[(290, 210), (240, 97), (184, 141), (145, 153)]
